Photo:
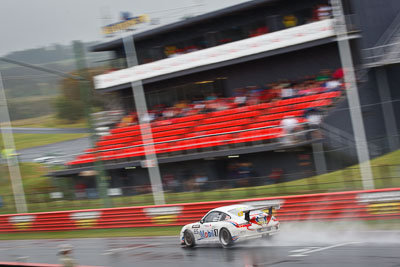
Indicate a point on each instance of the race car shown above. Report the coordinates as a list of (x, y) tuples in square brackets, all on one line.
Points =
[(231, 224)]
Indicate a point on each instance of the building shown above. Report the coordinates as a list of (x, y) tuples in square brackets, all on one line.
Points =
[(252, 45)]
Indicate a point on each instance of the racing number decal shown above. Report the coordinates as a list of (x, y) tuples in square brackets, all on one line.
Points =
[(216, 232)]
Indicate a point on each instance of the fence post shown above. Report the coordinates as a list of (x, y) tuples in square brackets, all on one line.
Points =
[(385, 175)]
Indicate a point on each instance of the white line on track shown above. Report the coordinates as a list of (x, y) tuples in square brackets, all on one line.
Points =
[(303, 250), (307, 251)]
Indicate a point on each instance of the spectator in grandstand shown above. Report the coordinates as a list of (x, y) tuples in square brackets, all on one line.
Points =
[(148, 117), (259, 31), (170, 183), (80, 190), (338, 74), (322, 11), (276, 175), (323, 76), (333, 85), (169, 113), (232, 174), (267, 95), (181, 104), (201, 181), (240, 100), (212, 96), (314, 118), (288, 92), (304, 90), (289, 125)]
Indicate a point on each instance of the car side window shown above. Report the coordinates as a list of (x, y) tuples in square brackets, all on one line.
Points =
[(214, 216), (225, 217)]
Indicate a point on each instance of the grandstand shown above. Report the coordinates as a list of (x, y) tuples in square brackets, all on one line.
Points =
[(216, 86)]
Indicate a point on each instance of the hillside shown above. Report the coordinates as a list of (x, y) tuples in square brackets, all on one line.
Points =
[(29, 92)]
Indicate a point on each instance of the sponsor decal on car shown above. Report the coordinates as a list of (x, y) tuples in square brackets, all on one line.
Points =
[(163, 215), (195, 226), (85, 219), (208, 233), (381, 202), (261, 219), (22, 222)]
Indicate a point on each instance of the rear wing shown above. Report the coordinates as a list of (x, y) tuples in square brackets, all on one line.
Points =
[(269, 208)]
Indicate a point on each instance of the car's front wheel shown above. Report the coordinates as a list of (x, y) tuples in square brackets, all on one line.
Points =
[(225, 238), (188, 238)]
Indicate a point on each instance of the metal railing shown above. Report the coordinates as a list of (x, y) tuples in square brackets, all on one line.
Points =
[(338, 137), (385, 51), (192, 190)]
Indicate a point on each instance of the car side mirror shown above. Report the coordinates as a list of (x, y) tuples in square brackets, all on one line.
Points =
[(201, 221)]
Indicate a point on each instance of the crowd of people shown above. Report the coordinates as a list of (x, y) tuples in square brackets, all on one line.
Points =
[(325, 81)]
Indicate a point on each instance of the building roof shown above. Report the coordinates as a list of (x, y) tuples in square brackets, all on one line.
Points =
[(110, 45)]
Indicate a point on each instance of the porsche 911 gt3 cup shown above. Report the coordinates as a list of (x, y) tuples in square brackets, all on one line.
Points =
[(231, 224)]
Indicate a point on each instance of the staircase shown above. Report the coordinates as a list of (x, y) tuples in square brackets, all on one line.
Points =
[(387, 48)]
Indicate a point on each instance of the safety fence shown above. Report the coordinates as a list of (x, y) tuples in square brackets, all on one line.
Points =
[(67, 197), (352, 205)]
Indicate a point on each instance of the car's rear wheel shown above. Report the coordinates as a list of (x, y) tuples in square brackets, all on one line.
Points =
[(225, 238), (188, 237)]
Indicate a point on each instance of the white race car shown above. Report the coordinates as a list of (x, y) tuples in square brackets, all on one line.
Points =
[(231, 224)]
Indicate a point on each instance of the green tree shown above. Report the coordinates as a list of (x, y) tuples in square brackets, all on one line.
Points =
[(70, 105), (68, 109)]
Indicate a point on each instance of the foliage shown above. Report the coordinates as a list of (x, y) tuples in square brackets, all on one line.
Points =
[(68, 109), (70, 105)]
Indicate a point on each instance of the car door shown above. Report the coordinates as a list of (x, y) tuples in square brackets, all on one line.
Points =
[(208, 227)]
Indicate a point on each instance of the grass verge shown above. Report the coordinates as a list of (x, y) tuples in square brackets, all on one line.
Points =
[(23, 141)]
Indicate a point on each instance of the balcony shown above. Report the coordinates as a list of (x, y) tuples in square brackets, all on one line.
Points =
[(240, 49)]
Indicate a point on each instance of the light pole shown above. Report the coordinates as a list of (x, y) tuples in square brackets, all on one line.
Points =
[(352, 95), (12, 160), (145, 128), (85, 92)]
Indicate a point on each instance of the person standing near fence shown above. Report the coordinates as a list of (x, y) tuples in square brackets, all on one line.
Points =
[(65, 256)]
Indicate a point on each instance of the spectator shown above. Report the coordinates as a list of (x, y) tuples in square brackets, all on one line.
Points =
[(65, 256), (289, 124), (287, 92), (201, 181), (169, 113), (322, 12), (80, 190), (333, 85), (212, 96), (276, 175), (338, 74), (323, 76), (240, 100)]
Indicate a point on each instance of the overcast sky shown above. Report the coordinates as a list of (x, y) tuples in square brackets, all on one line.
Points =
[(36, 23)]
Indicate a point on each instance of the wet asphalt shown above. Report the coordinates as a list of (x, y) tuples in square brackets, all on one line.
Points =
[(308, 248)]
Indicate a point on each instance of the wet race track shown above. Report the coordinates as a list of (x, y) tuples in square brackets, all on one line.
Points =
[(290, 248)]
